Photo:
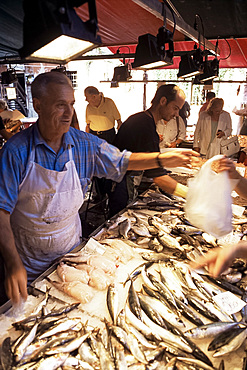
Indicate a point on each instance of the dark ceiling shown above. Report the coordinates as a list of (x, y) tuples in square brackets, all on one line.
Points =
[(223, 18), (122, 21)]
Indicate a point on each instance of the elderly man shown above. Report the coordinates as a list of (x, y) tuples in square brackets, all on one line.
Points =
[(138, 134), (101, 114), (44, 174)]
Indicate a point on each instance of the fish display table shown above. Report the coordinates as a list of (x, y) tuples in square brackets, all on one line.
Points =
[(128, 300)]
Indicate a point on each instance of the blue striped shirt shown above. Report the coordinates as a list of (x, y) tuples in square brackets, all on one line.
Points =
[(92, 157)]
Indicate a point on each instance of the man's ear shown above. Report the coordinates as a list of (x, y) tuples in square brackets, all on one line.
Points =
[(36, 105), (163, 100)]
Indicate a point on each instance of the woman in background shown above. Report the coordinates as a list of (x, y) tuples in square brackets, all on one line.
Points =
[(212, 125)]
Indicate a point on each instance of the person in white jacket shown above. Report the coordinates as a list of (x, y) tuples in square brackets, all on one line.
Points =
[(213, 125), (171, 133)]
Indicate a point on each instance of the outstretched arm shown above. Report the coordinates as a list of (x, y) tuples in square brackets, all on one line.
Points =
[(144, 161), (15, 273)]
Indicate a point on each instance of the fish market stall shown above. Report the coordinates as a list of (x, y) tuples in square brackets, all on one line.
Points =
[(128, 300)]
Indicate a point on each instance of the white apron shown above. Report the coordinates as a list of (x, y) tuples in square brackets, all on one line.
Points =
[(45, 221)]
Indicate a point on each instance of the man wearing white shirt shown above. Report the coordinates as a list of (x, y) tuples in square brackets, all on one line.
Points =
[(171, 133)]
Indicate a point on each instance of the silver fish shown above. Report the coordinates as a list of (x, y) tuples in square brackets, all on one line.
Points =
[(112, 300), (166, 335), (68, 347), (124, 228), (197, 363), (62, 325), (87, 354), (23, 344), (52, 362), (141, 230), (233, 345), (163, 310), (209, 330), (135, 348)]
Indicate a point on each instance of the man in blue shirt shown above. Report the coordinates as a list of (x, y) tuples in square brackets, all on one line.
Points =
[(44, 173)]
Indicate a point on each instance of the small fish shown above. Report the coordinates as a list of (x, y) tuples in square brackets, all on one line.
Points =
[(71, 346), (112, 300), (62, 325), (135, 348), (224, 338), (52, 362), (141, 230), (124, 228), (209, 330), (232, 345), (88, 355), (133, 300), (25, 341)]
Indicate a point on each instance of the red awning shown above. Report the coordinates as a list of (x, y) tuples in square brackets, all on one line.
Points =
[(121, 22)]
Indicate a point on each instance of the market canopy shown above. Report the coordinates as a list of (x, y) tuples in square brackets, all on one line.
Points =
[(121, 22)]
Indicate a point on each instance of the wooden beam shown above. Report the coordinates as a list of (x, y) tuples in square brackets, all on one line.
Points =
[(155, 7)]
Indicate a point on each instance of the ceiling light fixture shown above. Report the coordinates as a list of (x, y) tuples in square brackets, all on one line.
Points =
[(191, 64), (155, 51), (53, 32), (210, 70), (121, 73)]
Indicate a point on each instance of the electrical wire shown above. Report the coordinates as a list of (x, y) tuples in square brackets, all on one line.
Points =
[(197, 29), (230, 50), (173, 15), (118, 52)]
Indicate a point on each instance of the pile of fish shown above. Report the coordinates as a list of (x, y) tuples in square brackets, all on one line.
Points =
[(167, 312)]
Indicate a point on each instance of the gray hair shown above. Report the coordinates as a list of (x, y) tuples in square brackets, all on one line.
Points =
[(42, 81), (3, 104)]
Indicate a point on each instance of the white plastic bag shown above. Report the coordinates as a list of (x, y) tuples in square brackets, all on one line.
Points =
[(209, 202)]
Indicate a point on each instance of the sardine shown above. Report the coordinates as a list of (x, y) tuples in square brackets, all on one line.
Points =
[(133, 300), (233, 344), (112, 300), (62, 325), (222, 339), (166, 335), (52, 362), (209, 330), (23, 344), (163, 310)]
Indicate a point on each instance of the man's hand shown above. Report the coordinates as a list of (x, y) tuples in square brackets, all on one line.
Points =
[(226, 164), (219, 259), (179, 158), (16, 283)]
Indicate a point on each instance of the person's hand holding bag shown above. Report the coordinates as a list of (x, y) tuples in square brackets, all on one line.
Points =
[(208, 201)]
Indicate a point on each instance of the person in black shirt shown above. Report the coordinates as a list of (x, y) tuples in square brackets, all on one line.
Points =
[(138, 134)]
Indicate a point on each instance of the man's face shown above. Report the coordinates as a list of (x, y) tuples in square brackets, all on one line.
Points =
[(170, 110), (92, 99), (55, 109)]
